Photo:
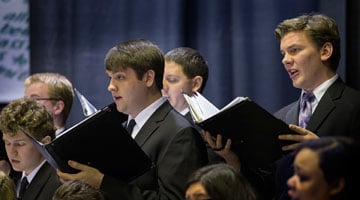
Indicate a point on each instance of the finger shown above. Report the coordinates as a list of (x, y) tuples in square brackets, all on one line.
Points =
[(209, 140), (228, 145), (291, 137), (219, 141), (77, 165), (64, 176), (290, 147), (298, 129)]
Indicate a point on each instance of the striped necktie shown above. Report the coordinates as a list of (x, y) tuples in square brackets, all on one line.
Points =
[(306, 108)]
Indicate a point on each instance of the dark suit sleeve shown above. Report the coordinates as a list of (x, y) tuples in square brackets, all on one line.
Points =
[(182, 155), (185, 153)]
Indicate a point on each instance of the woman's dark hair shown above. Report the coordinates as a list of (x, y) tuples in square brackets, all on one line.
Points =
[(222, 182)]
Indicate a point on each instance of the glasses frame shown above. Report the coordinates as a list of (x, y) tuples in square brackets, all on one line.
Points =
[(49, 99)]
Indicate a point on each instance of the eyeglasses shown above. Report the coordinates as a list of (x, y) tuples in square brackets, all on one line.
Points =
[(40, 98)]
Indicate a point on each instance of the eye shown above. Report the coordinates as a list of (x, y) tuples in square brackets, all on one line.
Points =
[(294, 50), (303, 178), (119, 77), (172, 79), (20, 144)]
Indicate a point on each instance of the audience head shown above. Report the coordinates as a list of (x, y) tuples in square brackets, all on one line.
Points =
[(325, 168), (77, 190), (7, 187), (320, 29), (54, 91), (32, 117), (218, 182), (187, 71)]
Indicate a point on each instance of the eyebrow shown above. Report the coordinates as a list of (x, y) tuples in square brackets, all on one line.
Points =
[(201, 195)]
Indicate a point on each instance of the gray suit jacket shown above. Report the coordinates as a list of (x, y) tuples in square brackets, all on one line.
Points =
[(338, 113), (44, 184), (176, 149)]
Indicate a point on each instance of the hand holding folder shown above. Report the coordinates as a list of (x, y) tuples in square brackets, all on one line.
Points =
[(253, 131), (91, 141)]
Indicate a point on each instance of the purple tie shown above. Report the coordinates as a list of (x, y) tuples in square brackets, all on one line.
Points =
[(305, 108)]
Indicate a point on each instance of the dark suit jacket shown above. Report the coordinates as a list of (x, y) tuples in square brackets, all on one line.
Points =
[(44, 184), (176, 149), (338, 113), (212, 156)]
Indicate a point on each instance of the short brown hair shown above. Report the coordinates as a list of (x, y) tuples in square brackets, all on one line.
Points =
[(140, 55), (29, 115)]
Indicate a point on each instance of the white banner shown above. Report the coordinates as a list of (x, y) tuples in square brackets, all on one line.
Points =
[(14, 48)]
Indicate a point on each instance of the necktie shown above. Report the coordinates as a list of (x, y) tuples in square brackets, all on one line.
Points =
[(130, 126), (306, 109), (23, 185)]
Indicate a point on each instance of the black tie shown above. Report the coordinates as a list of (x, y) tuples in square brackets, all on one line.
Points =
[(130, 126), (24, 184)]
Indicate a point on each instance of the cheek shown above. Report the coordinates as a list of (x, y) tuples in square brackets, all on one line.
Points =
[(29, 151)]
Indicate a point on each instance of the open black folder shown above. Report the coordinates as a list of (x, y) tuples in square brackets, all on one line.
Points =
[(99, 141), (253, 130)]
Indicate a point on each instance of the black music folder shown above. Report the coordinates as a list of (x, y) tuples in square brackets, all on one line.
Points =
[(99, 141), (253, 130)]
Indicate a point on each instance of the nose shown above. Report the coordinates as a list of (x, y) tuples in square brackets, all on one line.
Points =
[(286, 59), (165, 84), (291, 181), (111, 86)]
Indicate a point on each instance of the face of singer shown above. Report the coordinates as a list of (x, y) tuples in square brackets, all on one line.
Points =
[(40, 90), (308, 181), (128, 92), (174, 83), (304, 61), (22, 153)]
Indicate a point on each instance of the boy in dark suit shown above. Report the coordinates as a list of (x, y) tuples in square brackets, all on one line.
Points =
[(310, 45), (135, 69), (22, 153)]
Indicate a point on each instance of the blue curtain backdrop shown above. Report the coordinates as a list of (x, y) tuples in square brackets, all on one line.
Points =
[(236, 37)]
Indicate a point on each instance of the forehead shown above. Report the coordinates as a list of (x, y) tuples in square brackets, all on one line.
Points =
[(196, 189), (307, 160), (294, 38), (36, 89), (173, 68), (18, 135), (119, 70)]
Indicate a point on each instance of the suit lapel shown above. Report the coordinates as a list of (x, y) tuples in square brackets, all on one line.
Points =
[(326, 105), (38, 182), (153, 123)]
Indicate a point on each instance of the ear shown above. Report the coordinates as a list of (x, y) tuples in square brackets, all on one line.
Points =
[(149, 77), (338, 187), (196, 83), (326, 51), (46, 139), (59, 107)]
